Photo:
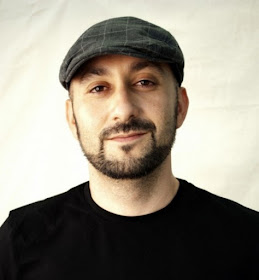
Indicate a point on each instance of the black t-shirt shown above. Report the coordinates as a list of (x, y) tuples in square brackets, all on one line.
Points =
[(197, 236)]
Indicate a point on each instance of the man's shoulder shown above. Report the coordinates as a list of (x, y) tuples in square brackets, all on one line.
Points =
[(42, 215), (212, 205)]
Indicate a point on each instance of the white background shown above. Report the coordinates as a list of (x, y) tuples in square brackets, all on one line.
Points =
[(216, 149)]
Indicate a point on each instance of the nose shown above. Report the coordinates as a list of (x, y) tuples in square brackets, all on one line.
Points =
[(125, 104)]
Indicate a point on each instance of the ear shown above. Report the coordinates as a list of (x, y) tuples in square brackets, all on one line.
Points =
[(182, 108), (71, 118)]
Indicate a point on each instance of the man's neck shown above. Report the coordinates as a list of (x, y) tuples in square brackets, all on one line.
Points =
[(134, 197)]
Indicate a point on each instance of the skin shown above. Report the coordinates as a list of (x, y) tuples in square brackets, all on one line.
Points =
[(115, 94)]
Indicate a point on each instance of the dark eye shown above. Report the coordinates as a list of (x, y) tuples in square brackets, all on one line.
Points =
[(98, 89), (145, 83)]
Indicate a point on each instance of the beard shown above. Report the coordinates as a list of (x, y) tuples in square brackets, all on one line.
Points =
[(131, 167)]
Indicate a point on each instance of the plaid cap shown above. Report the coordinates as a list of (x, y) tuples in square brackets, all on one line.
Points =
[(126, 36)]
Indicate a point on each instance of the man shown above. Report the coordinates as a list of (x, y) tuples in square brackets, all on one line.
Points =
[(133, 219)]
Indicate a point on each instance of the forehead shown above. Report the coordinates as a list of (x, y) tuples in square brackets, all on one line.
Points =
[(103, 65)]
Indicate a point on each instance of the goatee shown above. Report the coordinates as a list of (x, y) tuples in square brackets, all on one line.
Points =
[(131, 167)]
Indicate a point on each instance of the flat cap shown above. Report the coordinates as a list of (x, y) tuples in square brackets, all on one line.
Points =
[(126, 36)]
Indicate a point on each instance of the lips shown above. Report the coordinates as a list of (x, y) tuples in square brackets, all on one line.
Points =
[(127, 137)]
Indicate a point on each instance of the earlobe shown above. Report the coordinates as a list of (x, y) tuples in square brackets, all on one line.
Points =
[(71, 118), (183, 104)]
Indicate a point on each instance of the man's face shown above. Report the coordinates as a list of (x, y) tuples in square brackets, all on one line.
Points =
[(124, 114)]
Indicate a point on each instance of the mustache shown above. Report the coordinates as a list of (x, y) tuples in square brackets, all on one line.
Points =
[(131, 125)]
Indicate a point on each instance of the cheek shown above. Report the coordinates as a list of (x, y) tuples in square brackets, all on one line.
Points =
[(90, 121), (162, 110), (164, 118)]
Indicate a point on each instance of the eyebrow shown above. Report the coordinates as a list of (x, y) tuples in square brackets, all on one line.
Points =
[(90, 71), (146, 64)]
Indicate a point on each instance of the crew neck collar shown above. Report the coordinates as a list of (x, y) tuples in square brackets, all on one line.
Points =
[(109, 216)]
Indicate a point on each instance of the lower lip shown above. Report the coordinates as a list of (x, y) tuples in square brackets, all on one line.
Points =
[(128, 139)]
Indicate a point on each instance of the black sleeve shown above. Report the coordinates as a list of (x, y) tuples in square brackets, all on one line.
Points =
[(8, 266)]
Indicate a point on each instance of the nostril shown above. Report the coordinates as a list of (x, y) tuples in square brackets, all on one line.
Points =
[(123, 110)]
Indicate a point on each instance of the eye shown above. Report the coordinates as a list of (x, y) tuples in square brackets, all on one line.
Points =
[(98, 89), (145, 83)]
